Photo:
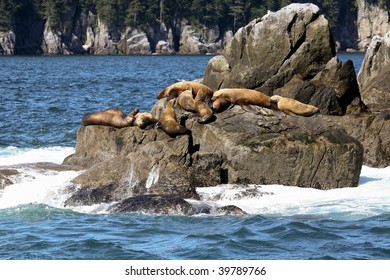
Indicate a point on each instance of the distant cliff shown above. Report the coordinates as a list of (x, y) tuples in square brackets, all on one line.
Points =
[(122, 27)]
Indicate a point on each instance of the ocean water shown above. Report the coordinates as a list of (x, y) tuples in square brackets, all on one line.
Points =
[(42, 102)]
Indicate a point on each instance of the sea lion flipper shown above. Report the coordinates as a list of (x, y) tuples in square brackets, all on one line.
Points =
[(134, 112), (230, 106), (248, 108), (161, 94)]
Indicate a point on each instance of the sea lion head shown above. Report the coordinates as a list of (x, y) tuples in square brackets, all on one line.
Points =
[(220, 104), (145, 120)]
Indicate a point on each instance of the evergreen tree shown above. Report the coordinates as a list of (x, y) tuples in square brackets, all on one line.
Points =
[(133, 12), (331, 10), (7, 8), (237, 12)]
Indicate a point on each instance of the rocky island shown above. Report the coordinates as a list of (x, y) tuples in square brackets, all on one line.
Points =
[(290, 53)]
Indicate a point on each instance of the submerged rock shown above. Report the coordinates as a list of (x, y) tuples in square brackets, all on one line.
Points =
[(6, 177), (167, 205)]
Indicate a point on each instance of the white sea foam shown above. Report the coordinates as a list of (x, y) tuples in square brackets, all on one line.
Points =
[(13, 155), (370, 198), (40, 188), (33, 185)]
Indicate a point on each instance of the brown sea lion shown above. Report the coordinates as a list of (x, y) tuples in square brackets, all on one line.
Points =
[(168, 122), (203, 110), (175, 89), (144, 120), (220, 104), (111, 117), (186, 100), (243, 97), (293, 107)]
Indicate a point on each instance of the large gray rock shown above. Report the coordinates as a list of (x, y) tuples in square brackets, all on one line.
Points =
[(276, 149), (373, 131), (273, 46), (272, 53), (374, 74)]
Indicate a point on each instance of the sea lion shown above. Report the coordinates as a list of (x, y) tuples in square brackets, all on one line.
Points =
[(168, 122), (186, 100), (175, 89), (293, 107), (144, 120), (243, 97), (111, 117), (203, 110), (220, 104)]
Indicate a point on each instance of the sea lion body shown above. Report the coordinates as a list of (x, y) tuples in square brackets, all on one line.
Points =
[(205, 113), (243, 97), (144, 119), (186, 101), (168, 122), (293, 107), (175, 89), (111, 117)]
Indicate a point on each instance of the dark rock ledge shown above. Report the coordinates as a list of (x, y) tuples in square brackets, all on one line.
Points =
[(238, 148)]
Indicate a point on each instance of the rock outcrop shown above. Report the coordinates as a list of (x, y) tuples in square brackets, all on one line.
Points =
[(374, 74), (203, 41), (7, 43), (290, 53), (372, 130), (138, 169), (83, 32), (268, 149), (373, 19)]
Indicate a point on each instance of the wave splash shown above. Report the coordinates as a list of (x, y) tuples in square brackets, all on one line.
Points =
[(34, 185)]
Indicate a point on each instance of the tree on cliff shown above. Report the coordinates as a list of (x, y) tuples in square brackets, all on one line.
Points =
[(228, 14), (61, 15), (7, 8)]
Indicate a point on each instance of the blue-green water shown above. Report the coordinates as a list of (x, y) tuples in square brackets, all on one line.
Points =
[(42, 102)]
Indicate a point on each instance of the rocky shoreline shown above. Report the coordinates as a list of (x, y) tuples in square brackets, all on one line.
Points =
[(84, 32), (150, 171)]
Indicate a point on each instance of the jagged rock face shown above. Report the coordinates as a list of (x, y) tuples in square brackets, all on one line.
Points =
[(372, 19), (52, 44), (294, 39), (137, 42), (206, 40), (289, 53), (374, 74), (7, 43), (372, 130)]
